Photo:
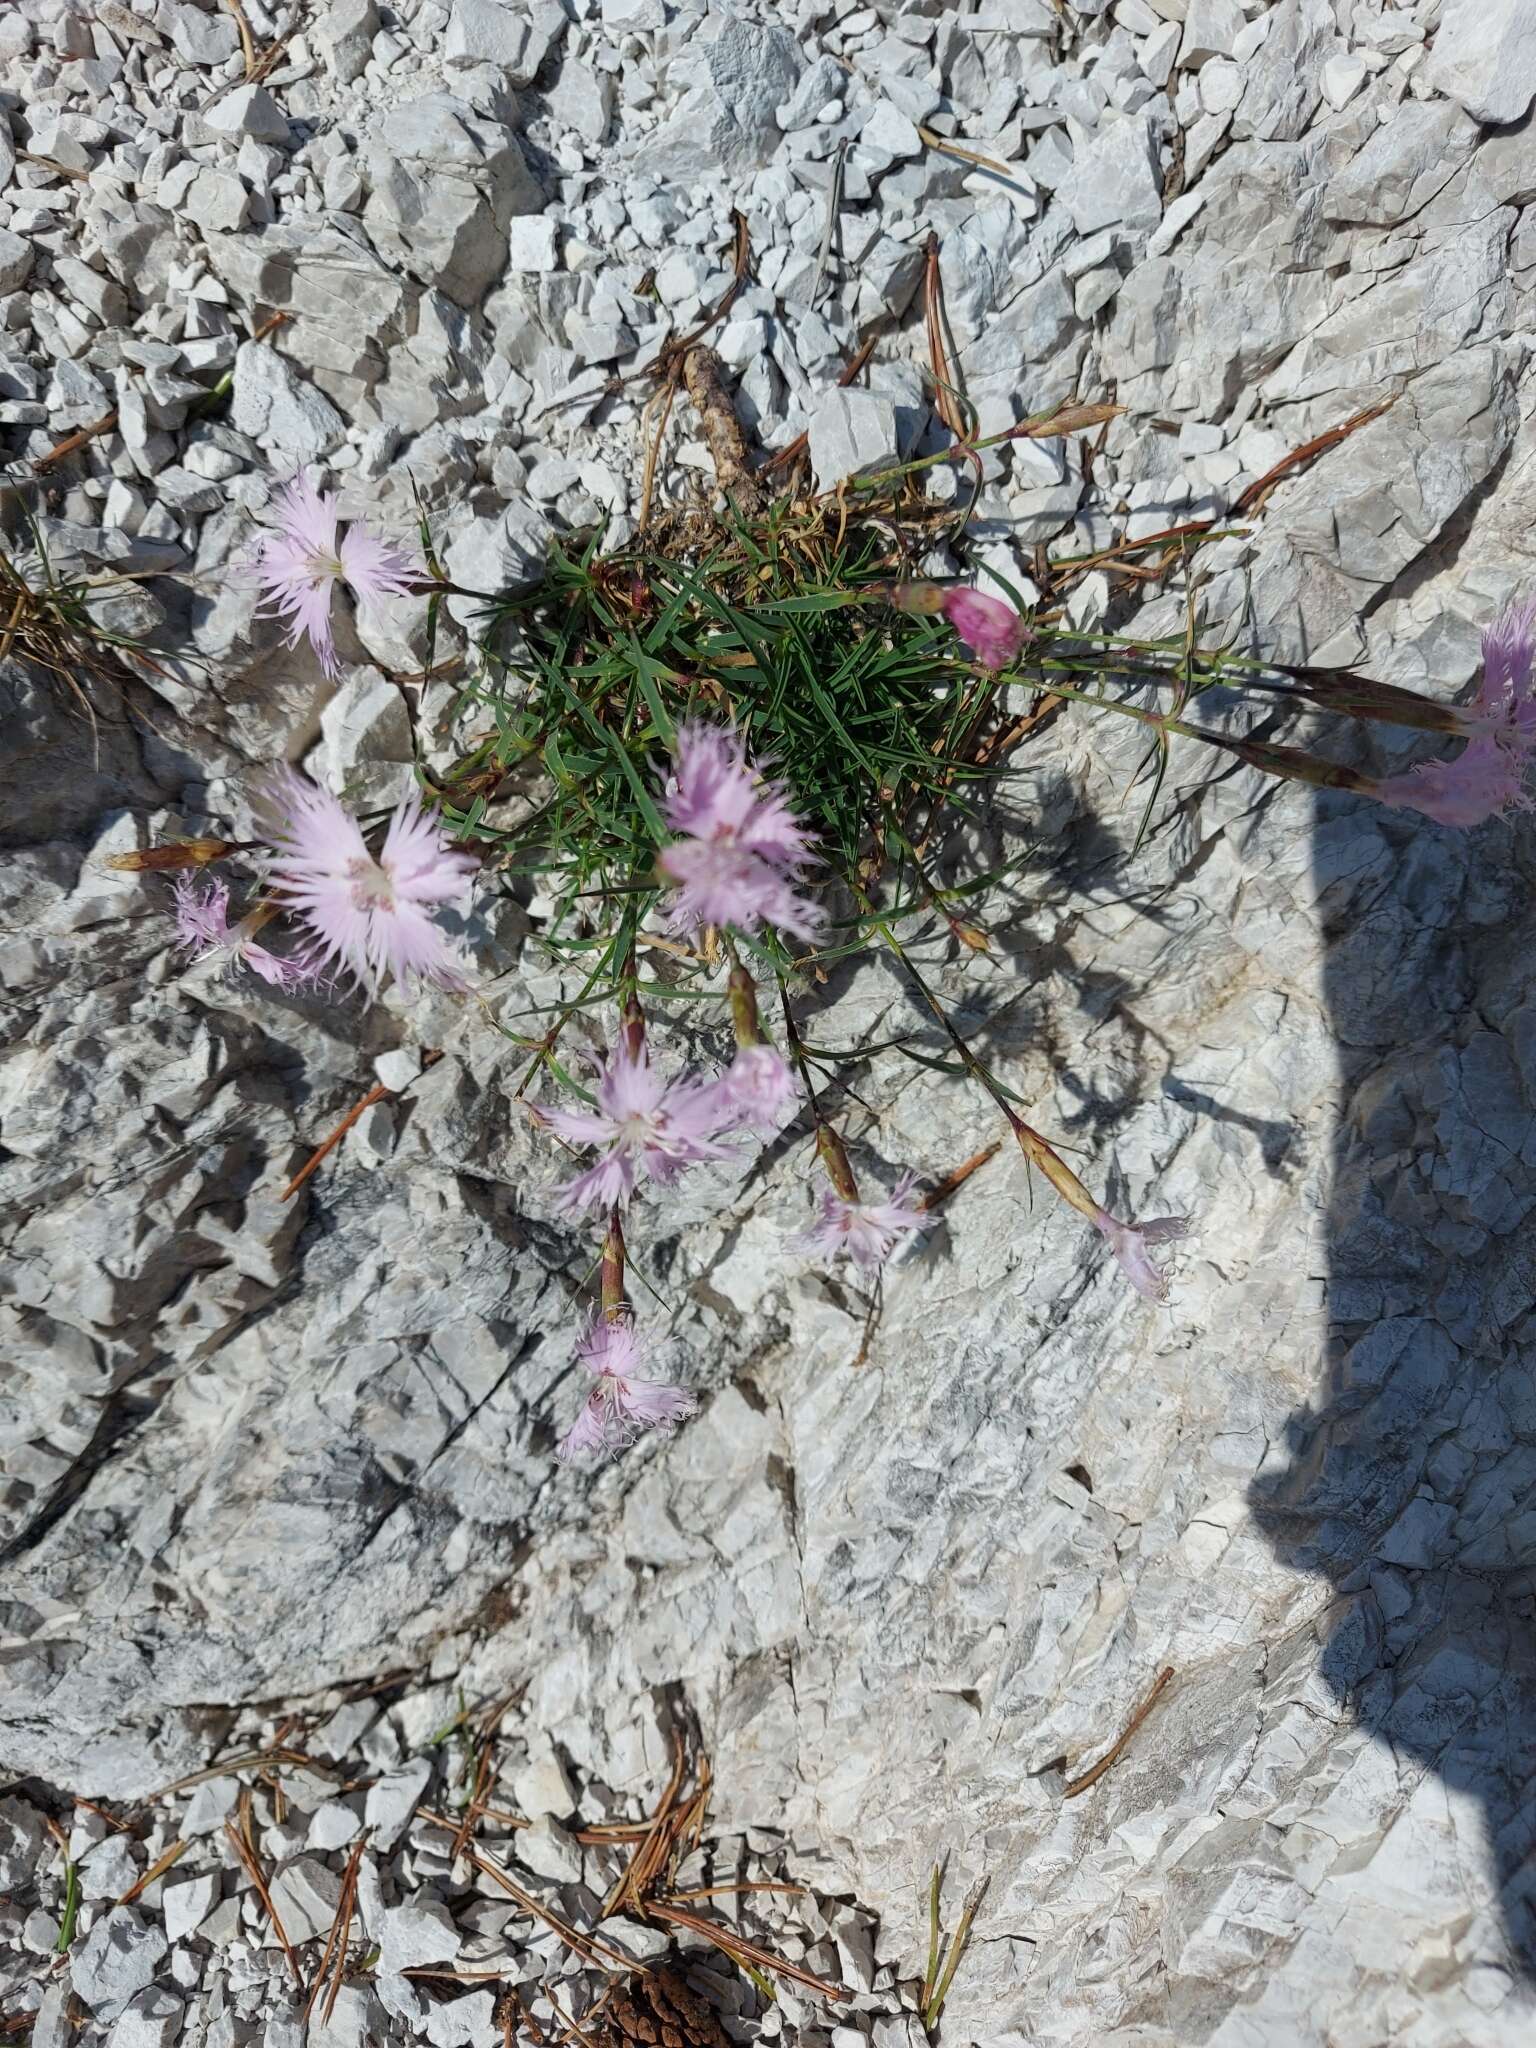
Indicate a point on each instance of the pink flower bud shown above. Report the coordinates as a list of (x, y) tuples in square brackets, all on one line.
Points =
[(992, 630)]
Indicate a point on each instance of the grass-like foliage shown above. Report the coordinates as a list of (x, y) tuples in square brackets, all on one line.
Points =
[(877, 718)]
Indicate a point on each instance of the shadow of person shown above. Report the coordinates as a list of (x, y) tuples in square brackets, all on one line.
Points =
[(1409, 1479)]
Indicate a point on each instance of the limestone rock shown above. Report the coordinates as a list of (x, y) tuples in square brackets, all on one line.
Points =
[(1484, 58), (445, 182), (277, 407)]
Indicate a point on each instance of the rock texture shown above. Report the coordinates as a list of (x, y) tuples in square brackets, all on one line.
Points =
[(252, 1450)]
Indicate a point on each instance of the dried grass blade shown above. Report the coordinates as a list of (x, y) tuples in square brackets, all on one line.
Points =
[(1308, 452)]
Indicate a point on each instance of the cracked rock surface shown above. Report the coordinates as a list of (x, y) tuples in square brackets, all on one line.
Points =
[(252, 1451)]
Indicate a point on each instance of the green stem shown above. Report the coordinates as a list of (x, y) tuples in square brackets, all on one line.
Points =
[(1041, 1155), (829, 1145), (71, 1904)]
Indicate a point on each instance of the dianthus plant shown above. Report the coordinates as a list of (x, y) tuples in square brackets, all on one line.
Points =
[(717, 762)]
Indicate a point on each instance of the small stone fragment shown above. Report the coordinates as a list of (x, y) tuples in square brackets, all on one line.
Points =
[(534, 244), (305, 1893), (391, 1801), (415, 1934), (272, 403), (851, 433), (249, 110), (116, 1961), (152, 2020), (187, 1906)]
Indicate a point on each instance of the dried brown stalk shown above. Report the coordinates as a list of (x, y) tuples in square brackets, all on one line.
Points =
[(51, 163), (247, 41), (1122, 1742), (1299, 458), (77, 440), (665, 398), (375, 1094)]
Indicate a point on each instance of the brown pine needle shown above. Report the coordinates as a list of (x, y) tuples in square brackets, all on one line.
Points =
[(248, 1759), (118, 1827), (1113, 1755), (588, 1948), (646, 1860), (253, 1870), (454, 1976), (714, 1891), (572, 2031), (341, 1927), (591, 2015), (157, 1869), (740, 1949)]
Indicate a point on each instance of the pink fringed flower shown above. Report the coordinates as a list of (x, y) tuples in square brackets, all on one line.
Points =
[(1487, 778), (203, 927), (300, 561), (992, 630), (1509, 653), (755, 1091), (623, 1402), (645, 1126), (372, 916), (740, 853), (867, 1231), (721, 884), (1132, 1245)]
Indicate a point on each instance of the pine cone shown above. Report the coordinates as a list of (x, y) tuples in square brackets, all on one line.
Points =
[(659, 2011)]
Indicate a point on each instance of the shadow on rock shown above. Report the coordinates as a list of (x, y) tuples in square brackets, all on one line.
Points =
[(1409, 1479)]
